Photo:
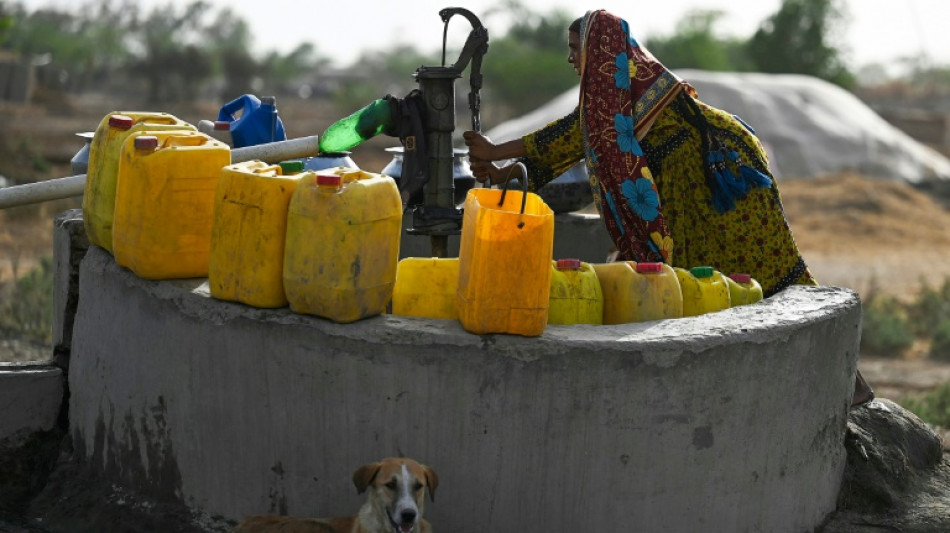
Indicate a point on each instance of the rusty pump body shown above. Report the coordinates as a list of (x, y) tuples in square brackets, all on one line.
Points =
[(438, 217)]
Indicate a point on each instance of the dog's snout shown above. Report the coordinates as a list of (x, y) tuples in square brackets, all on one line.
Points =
[(408, 516)]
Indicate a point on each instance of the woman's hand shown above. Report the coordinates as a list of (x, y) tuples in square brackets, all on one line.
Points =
[(493, 174), (480, 148), (484, 171)]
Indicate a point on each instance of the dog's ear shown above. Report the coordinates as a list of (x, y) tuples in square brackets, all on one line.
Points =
[(364, 475), (432, 481)]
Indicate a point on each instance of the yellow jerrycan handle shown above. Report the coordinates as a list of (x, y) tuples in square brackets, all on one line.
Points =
[(184, 141), (166, 120), (264, 168)]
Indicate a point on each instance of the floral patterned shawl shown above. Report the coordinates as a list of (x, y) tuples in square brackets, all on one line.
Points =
[(623, 89)]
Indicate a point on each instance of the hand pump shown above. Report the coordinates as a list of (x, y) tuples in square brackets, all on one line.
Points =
[(438, 216)]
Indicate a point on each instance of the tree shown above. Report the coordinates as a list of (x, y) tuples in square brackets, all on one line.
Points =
[(376, 74), (528, 66), (281, 69), (797, 40), (228, 41), (695, 45), (172, 62)]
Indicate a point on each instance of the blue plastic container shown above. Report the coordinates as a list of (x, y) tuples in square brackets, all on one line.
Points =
[(258, 122)]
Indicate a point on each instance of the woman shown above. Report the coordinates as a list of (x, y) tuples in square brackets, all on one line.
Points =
[(674, 179)]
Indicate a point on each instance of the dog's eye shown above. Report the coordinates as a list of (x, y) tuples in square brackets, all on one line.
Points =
[(391, 485), (417, 486)]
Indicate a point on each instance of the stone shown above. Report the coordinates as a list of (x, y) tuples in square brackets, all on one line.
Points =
[(896, 478)]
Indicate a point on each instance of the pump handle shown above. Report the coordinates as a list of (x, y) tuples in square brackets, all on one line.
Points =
[(476, 45)]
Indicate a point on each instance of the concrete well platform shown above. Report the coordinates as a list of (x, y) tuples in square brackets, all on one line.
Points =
[(732, 421)]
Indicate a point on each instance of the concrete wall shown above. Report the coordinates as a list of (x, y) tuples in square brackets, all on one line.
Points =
[(30, 398), (727, 422)]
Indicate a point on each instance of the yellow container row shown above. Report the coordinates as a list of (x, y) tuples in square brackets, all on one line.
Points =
[(165, 200), (583, 293), (327, 244)]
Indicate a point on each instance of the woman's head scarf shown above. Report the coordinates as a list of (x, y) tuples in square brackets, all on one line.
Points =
[(623, 89)]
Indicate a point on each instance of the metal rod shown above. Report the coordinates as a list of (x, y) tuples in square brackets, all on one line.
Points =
[(55, 189)]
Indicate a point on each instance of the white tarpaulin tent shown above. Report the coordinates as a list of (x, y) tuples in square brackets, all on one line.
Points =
[(809, 127)]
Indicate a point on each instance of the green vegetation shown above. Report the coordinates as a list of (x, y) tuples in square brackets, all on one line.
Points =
[(528, 66), (695, 44), (179, 51), (26, 304), (891, 326), (795, 40), (176, 51), (932, 407), (798, 40), (885, 329)]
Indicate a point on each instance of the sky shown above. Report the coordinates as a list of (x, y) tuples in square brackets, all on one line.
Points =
[(879, 31)]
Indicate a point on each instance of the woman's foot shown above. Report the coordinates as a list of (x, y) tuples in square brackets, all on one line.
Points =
[(862, 391)]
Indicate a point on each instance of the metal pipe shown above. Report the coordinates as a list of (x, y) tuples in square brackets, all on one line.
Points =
[(55, 189), (42, 191), (276, 152)]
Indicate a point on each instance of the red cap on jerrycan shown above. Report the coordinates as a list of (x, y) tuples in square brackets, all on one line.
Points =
[(121, 122), (741, 278), (329, 180), (649, 268), (568, 264), (146, 142)]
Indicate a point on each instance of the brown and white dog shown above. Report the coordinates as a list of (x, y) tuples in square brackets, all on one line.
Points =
[(395, 501)]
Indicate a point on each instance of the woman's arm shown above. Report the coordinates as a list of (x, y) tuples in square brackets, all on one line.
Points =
[(493, 174), (547, 153), (480, 148)]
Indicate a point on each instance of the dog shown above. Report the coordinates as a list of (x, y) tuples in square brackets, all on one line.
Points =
[(395, 500)]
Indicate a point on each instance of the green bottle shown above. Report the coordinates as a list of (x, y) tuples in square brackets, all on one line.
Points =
[(348, 132)]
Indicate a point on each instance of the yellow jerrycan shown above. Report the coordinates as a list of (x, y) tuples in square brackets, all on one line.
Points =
[(165, 202), (505, 255), (426, 287), (704, 290), (342, 246), (248, 232), (639, 292), (743, 290), (576, 296), (98, 201)]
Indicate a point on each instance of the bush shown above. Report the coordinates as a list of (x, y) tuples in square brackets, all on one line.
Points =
[(932, 407), (940, 341), (28, 307), (931, 308), (885, 329)]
